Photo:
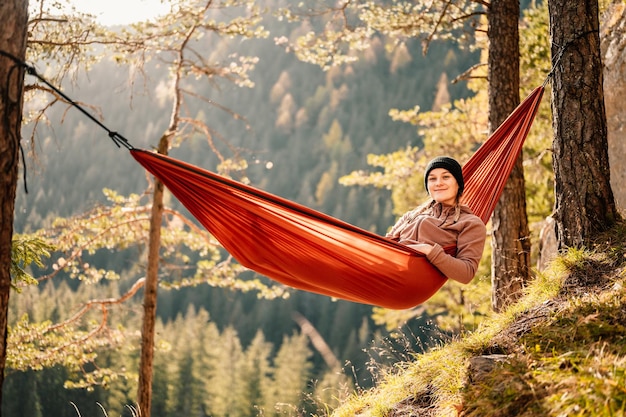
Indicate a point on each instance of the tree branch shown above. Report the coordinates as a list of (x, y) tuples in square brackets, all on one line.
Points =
[(103, 302)]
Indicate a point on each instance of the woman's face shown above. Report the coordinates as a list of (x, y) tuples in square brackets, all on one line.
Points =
[(442, 186)]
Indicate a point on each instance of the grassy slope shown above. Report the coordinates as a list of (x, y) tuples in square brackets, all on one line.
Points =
[(561, 351)]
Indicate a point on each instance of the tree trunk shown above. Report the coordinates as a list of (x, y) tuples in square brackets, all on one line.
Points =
[(510, 235), (584, 202), (144, 390), (13, 29)]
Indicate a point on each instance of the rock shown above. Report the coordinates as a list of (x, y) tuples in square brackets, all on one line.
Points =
[(548, 246), (480, 366)]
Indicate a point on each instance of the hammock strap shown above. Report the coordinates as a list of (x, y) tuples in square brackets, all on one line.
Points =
[(117, 138)]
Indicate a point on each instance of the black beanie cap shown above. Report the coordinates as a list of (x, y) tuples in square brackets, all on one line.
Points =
[(449, 164)]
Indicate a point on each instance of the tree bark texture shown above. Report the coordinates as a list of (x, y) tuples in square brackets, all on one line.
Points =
[(510, 234), (584, 201), (13, 29), (146, 363)]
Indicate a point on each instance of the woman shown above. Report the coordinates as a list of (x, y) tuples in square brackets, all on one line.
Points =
[(444, 221)]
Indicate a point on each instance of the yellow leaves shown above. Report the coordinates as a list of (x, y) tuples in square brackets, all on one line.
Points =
[(118, 227), (229, 166), (27, 250), (331, 48), (189, 254), (349, 28), (58, 33), (406, 116), (41, 345), (402, 174), (226, 274), (59, 264)]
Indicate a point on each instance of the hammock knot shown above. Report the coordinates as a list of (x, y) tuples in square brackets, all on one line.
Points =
[(119, 140)]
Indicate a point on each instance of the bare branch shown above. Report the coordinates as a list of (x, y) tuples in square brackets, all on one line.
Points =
[(318, 342), (468, 16), (482, 3), (434, 29), (103, 303), (466, 74)]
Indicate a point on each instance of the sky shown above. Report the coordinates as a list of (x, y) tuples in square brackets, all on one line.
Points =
[(119, 12)]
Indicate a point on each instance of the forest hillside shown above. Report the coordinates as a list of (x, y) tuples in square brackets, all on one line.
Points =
[(559, 351)]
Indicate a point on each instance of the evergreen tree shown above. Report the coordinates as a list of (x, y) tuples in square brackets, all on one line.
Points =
[(164, 377), (226, 386), (291, 373), (188, 390), (256, 374), (21, 397)]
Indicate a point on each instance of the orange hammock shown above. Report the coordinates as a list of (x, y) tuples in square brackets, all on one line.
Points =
[(311, 251)]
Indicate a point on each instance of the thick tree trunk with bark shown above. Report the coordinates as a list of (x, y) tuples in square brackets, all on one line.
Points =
[(144, 390), (13, 29), (584, 202), (510, 235)]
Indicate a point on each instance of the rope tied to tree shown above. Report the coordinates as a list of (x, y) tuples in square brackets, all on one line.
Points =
[(557, 59), (116, 137)]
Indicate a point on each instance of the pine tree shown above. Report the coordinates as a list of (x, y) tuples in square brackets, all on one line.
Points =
[(290, 375), (188, 391), (21, 397), (256, 374), (585, 205), (226, 387)]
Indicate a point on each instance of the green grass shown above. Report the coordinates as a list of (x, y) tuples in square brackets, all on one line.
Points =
[(561, 351)]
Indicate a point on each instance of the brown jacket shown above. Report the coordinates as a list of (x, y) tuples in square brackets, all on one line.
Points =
[(437, 226)]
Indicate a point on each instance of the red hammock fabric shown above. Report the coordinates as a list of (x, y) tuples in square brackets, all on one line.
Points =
[(311, 251)]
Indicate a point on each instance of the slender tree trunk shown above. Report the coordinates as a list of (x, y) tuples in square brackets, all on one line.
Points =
[(146, 364), (13, 29), (584, 202), (510, 234)]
